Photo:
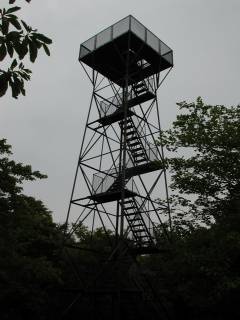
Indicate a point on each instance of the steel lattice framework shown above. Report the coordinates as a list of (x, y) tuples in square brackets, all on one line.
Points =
[(121, 169)]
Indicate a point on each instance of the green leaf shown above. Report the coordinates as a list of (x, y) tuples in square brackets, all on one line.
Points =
[(27, 28), (13, 9), (28, 71), (14, 64), (15, 23), (33, 51), (3, 84), (25, 76), (45, 47), (23, 91), (21, 48), (13, 36), (3, 52), (38, 44), (42, 38), (5, 25), (16, 85), (15, 89), (10, 49)]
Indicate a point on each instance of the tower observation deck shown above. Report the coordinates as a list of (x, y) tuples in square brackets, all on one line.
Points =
[(127, 42)]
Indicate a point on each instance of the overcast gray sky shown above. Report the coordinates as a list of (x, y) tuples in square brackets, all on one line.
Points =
[(45, 127)]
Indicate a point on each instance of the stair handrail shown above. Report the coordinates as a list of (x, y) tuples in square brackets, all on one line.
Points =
[(108, 108), (107, 175), (145, 215), (143, 211), (139, 137), (149, 147)]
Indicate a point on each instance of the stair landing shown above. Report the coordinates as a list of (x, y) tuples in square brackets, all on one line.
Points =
[(119, 113), (111, 196)]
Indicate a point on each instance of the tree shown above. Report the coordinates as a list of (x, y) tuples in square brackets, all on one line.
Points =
[(205, 166), (17, 39), (29, 245), (198, 274)]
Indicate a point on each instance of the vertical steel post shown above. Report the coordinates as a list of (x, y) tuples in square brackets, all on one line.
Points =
[(124, 134)]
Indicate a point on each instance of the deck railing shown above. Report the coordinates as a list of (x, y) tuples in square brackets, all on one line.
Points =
[(102, 181), (121, 27), (111, 105)]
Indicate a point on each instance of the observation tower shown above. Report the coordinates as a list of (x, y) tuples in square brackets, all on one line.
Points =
[(121, 170)]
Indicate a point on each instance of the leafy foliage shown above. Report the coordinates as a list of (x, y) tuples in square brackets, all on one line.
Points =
[(198, 274), (13, 174), (13, 1), (205, 165), (18, 38), (29, 244), (14, 78)]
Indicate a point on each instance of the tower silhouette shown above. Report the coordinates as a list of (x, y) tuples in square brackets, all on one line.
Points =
[(121, 170)]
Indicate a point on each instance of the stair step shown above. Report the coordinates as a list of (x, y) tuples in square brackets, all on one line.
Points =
[(132, 207), (132, 138), (127, 201), (134, 220), (121, 123), (140, 160), (129, 123), (136, 155), (130, 132), (132, 217), (130, 214), (142, 237), (138, 225), (140, 230), (141, 90), (137, 158), (139, 85), (128, 127), (137, 149), (134, 144)]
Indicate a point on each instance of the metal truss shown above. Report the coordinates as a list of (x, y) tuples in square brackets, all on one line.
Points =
[(106, 154)]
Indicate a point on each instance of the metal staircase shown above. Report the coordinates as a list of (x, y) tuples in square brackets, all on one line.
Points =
[(140, 88), (142, 158), (134, 142), (139, 226)]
